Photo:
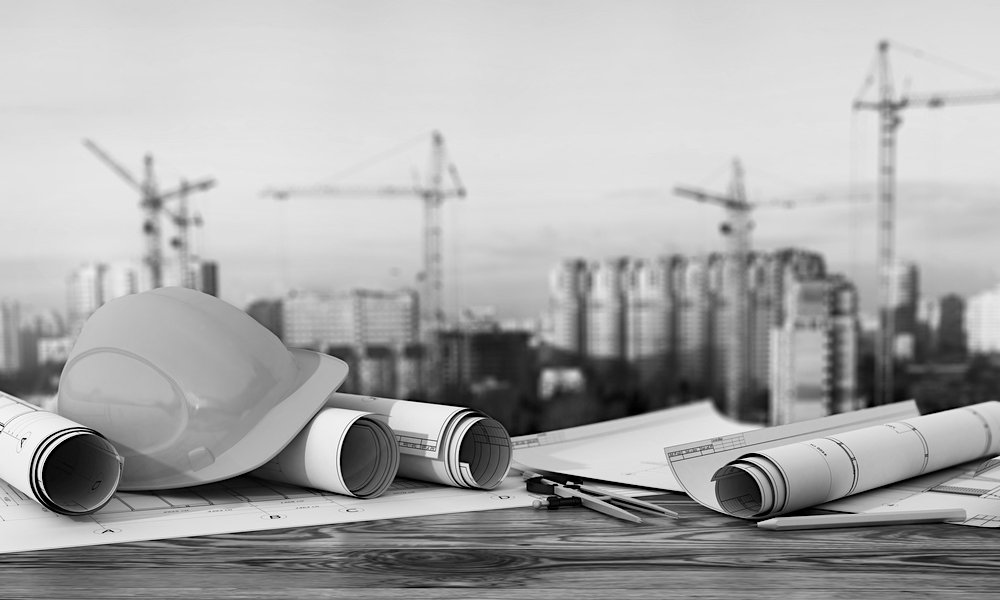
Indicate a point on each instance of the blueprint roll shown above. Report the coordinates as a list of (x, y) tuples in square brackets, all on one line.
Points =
[(791, 477), (66, 467), (444, 444), (342, 451)]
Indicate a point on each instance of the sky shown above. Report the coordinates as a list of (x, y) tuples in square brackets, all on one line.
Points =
[(569, 122)]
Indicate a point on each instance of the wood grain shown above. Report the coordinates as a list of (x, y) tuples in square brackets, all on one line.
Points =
[(572, 553)]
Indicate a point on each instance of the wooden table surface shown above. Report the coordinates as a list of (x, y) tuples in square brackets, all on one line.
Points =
[(526, 553)]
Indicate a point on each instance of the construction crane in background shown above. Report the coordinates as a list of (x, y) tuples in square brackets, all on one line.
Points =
[(153, 203), (889, 107), (433, 194), (736, 229), (181, 242)]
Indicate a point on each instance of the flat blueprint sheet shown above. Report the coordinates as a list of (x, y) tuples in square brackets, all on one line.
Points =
[(628, 451), (974, 486), (234, 505)]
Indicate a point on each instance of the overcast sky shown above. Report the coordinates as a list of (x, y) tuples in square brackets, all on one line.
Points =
[(570, 122)]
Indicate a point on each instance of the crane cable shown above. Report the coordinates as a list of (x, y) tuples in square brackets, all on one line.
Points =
[(456, 253), (716, 173), (868, 81), (377, 158), (944, 62), (853, 184)]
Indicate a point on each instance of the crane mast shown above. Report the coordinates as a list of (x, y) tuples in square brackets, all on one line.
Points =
[(433, 271), (737, 231), (888, 108), (888, 122), (153, 203), (738, 369), (184, 221)]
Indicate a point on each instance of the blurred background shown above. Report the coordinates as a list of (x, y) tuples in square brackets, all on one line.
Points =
[(556, 212)]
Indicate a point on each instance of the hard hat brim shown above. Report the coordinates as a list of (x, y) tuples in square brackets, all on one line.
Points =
[(319, 376)]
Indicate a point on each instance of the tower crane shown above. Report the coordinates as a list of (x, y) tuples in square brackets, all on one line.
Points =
[(152, 204), (889, 106), (736, 229), (433, 194), (183, 221)]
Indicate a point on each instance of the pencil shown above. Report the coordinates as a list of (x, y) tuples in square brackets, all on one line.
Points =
[(905, 517)]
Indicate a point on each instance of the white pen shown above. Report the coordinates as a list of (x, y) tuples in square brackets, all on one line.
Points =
[(905, 517)]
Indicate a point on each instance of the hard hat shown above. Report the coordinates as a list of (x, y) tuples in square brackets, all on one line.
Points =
[(190, 389)]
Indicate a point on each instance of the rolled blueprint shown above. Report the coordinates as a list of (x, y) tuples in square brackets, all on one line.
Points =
[(67, 468), (786, 478), (341, 451), (443, 444)]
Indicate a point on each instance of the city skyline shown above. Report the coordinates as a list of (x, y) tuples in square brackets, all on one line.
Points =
[(570, 123)]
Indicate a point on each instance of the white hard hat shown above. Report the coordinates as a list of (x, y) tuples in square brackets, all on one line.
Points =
[(190, 389)]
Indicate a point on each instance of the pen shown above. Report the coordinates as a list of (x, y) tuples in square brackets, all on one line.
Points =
[(906, 517)]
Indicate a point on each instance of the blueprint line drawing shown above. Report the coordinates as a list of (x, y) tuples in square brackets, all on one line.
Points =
[(830, 458), (68, 468), (344, 451), (974, 486), (696, 464), (445, 444)]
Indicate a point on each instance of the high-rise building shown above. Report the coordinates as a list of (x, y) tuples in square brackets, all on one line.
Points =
[(350, 355), (568, 286), (92, 285), (670, 323), (269, 314), (472, 356), (763, 314), (208, 277), (904, 300), (941, 329), (410, 363), (605, 313), (694, 326), (378, 371), (118, 279), (814, 351), (844, 344), (800, 355), (386, 318), (84, 294), (982, 322), (28, 346), (311, 320), (200, 275), (55, 350), (370, 330), (650, 328), (648, 299), (951, 336), (769, 278), (724, 344), (10, 337), (928, 326), (355, 318), (38, 329)]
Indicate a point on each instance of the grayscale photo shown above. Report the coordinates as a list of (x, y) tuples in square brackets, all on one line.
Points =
[(441, 298)]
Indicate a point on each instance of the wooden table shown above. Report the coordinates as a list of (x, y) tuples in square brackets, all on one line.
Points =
[(525, 553)]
